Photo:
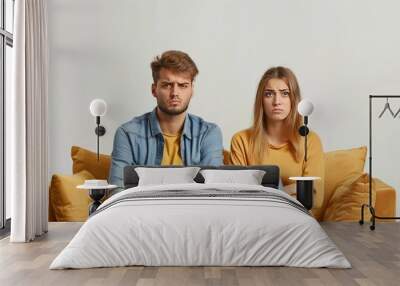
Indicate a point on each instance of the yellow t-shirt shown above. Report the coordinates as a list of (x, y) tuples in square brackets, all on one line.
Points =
[(284, 158), (172, 150)]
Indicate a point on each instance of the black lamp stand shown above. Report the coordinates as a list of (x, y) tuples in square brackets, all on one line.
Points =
[(304, 188), (100, 131), (369, 205), (303, 130)]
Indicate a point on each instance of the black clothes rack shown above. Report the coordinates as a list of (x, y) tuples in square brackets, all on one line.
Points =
[(369, 205)]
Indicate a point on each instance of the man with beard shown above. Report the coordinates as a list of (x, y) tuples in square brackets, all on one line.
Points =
[(168, 135)]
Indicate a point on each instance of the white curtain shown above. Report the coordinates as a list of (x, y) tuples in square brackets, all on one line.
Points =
[(27, 135)]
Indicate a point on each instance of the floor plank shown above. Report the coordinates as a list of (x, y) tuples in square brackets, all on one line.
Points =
[(374, 255)]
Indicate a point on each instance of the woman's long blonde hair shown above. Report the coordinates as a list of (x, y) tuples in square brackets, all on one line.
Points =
[(259, 139)]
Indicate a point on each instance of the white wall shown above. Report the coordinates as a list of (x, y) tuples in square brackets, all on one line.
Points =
[(341, 51)]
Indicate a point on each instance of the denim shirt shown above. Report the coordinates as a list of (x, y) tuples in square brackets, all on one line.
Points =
[(140, 142)]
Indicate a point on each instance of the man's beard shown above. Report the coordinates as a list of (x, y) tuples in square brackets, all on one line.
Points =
[(173, 112)]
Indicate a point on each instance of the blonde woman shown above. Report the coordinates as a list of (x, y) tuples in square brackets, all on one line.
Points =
[(274, 138)]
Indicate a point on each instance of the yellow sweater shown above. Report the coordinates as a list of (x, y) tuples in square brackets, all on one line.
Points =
[(172, 150), (283, 157)]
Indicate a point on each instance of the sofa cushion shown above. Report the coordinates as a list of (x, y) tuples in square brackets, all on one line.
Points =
[(342, 165), (85, 160), (66, 202)]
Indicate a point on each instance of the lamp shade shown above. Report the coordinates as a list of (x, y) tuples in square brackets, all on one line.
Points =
[(305, 107), (98, 107)]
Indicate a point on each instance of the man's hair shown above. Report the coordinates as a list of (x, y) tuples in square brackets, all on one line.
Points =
[(175, 61)]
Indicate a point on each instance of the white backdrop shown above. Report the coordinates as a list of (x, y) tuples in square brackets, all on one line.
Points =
[(341, 51)]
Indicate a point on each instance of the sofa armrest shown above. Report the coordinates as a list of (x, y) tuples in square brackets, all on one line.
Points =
[(385, 204), (347, 199)]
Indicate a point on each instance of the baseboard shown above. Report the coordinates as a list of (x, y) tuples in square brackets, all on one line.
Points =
[(5, 231)]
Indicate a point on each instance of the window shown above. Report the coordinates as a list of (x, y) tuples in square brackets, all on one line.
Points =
[(6, 44)]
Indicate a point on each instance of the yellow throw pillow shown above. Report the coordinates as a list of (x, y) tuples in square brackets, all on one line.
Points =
[(66, 202), (84, 159), (347, 199), (340, 165)]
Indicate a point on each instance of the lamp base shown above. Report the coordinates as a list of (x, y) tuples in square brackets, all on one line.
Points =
[(100, 130), (303, 130)]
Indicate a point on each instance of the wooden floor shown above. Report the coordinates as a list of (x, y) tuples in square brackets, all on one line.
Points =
[(374, 255)]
